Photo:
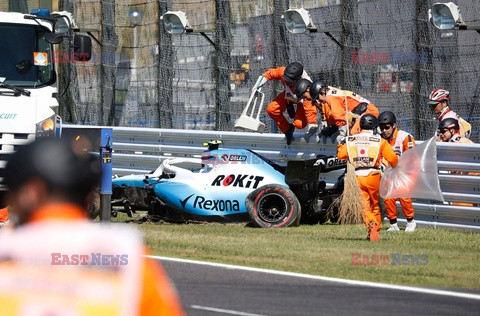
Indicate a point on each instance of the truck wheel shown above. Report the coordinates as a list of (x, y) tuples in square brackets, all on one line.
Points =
[(273, 206)]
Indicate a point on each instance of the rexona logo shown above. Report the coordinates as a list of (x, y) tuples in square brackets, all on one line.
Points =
[(239, 180), (216, 205), (212, 205)]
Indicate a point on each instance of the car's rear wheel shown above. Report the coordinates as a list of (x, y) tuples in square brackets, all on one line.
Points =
[(273, 206)]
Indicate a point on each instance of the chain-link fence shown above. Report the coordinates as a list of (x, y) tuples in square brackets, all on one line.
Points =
[(142, 76)]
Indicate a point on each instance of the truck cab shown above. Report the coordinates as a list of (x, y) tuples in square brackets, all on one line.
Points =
[(28, 78)]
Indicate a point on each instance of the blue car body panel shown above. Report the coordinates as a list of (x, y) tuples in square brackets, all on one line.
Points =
[(219, 188), (134, 180)]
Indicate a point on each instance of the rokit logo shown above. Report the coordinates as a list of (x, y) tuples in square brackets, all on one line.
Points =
[(239, 180)]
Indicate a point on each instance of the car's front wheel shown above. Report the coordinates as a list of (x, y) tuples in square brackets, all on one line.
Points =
[(273, 206)]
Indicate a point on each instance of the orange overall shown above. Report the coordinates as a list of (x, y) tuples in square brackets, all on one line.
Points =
[(400, 142), (369, 150), (338, 102), (306, 112)]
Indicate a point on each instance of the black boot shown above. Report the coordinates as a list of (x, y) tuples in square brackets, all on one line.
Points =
[(289, 134), (291, 110)]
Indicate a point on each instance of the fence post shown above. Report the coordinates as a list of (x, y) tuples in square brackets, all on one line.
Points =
[(423, 82), (280, 45), (350, 40), (68, 89), (108, 68), (222, 65), (164, 70)]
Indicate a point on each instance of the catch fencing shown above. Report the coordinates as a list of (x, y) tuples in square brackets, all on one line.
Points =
[(141, 76), (141, 150)]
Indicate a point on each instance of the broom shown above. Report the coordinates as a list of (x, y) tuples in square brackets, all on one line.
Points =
[(350, 204)]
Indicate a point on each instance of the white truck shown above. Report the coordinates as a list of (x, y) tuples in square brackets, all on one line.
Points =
[(28, 76)]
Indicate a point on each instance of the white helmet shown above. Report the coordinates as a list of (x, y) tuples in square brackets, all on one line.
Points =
[(438, 95)]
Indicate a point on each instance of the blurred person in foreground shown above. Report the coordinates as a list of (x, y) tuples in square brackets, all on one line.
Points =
[(400, 141), (365, 152), (56, 262)]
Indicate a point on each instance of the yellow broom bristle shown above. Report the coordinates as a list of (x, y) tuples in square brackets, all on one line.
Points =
[(350, 203)]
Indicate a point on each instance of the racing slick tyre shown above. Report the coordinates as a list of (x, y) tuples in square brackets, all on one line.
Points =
[(273, 206)]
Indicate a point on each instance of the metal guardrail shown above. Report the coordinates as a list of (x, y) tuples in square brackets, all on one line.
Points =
[(141, 150)]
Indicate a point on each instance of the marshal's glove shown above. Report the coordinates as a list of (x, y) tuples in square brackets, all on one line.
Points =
[(260, 82)]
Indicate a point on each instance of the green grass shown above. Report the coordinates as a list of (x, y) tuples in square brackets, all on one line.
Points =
[(453, 256)]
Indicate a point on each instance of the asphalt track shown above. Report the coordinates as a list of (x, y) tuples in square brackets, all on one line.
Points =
[(216, 289)]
